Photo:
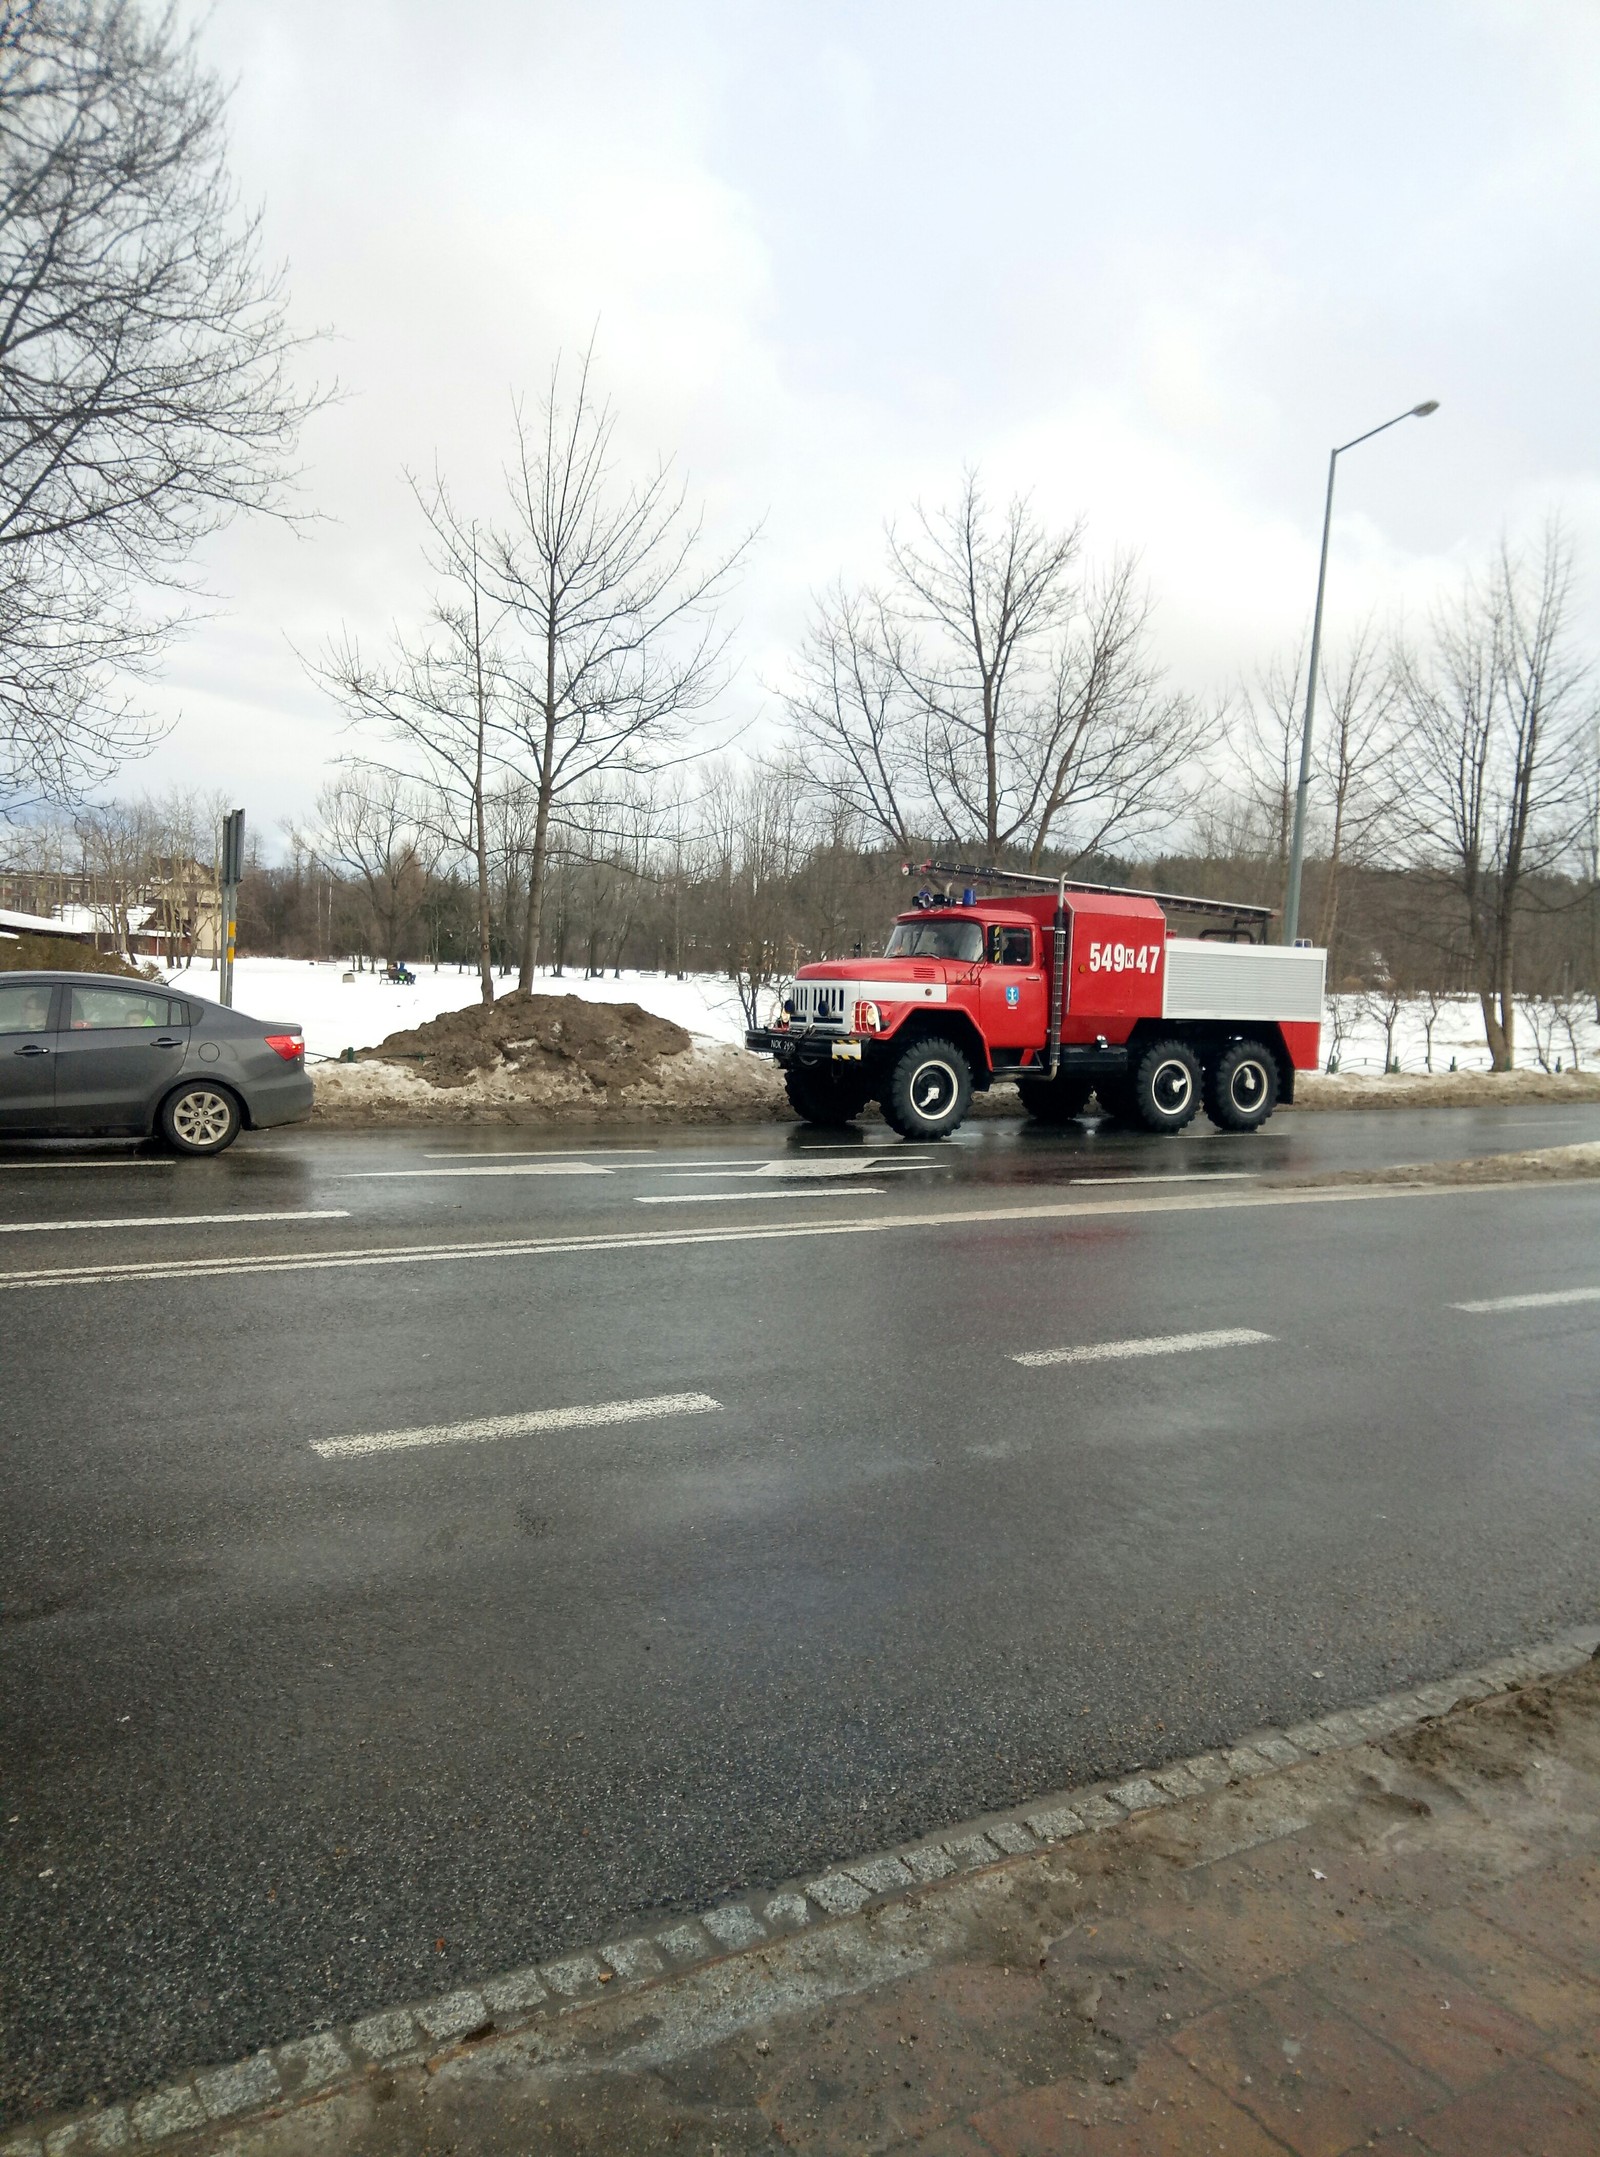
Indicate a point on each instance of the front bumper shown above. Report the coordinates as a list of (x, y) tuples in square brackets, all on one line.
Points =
[(791, 1047)]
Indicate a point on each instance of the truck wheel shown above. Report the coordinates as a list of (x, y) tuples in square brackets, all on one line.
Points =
[(1166, 1086), (929, 1090), (1055, 1100), (822, 1098), (1115, 1096), (1241, 1087)]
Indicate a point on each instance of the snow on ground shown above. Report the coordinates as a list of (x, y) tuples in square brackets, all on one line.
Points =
[(1457, 1033), (336, 1013)]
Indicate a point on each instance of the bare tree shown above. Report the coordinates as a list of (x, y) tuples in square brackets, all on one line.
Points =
[(992, 694), (439, 698), (1112, 743), (145, 394), (612, 594), (118, 843), (1268, 745), (1496, 712), (1384, 1007), (369, 825), (852, 718), (1355, 766)]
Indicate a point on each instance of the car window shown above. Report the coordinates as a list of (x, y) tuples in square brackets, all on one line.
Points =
[(93, 1009), (24, 1007), (1010, 947)]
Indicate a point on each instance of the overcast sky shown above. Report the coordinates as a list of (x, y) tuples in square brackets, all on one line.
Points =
[(1146, 261)]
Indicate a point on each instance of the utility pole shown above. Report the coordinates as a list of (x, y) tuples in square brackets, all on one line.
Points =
[(232, 868), (1297, 848)]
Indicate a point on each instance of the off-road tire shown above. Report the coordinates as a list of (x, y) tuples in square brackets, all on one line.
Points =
[(1115, 1096), (1056, 1100), (824, 1097), (1241, 1086), (199, 1118), (1166, 1086), (929, 1090)]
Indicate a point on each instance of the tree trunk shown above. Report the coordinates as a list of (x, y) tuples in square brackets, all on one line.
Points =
[(534, 921)]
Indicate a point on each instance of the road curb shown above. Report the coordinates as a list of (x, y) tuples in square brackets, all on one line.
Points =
[(276, 2079)]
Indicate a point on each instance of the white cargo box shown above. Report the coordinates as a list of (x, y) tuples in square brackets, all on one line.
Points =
[(1241, 981)]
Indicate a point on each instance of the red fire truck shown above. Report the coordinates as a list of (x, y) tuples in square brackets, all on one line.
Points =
[(1062, 989)]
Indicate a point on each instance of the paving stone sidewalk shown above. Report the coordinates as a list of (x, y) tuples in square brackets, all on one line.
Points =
[(1395, 1945)]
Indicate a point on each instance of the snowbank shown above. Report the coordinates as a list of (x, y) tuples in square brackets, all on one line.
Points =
[(338, 1013), (1442, 1089)]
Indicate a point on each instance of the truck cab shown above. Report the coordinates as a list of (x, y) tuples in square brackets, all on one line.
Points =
[(1063, 990)]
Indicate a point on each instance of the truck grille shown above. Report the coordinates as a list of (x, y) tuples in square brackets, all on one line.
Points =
[(818, 1003)]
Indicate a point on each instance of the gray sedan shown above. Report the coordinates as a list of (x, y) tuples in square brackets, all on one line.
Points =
[(83, 1053)]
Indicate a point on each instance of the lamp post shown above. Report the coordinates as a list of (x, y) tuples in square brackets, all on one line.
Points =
[(1297, 847)]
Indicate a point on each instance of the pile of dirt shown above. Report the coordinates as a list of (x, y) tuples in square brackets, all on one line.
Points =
[(543, 1059), (607, 1046)]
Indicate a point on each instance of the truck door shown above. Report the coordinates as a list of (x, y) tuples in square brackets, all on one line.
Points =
[(1012, 992)]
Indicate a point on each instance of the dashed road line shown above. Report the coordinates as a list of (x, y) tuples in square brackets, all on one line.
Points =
[(719, 1198), (807, 1171), (480, 1429), (1159, 1344), (171, 1220), (520, 1168), (543, 1153), (1200, 1175), (1532, 1303)]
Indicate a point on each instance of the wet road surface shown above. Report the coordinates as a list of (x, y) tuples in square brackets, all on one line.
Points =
[(442, 1567)]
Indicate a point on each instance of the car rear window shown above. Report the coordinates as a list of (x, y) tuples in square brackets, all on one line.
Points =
[(96, 1008), (24, 1007)]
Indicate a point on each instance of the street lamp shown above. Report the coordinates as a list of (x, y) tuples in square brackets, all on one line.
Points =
[(1291, 904)]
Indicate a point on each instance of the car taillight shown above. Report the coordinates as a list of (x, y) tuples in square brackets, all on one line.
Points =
[(289, 1046)]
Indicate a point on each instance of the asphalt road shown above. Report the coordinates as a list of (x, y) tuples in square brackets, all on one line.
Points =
[(290, 1729)]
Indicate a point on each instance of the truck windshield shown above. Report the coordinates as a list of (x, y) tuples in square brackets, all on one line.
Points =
[(935, 940)]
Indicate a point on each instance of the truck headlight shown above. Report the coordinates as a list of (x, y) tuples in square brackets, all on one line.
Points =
[(869, 1019)]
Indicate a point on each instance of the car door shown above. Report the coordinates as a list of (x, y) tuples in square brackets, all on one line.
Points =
[(119, 1049), (27, 1054)]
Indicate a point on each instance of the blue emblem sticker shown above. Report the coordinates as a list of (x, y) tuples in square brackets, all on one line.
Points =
[(1013, 993)]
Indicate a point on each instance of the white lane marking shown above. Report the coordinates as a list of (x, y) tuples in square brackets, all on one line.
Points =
[(523, 1168), (482, 1428), (545, 1153), (1532, 1303), (805, 1171), (1068, 1210), (720, 1198), (1159, 1344), (169, 1220), (1198, 1175), (646, 1154)]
